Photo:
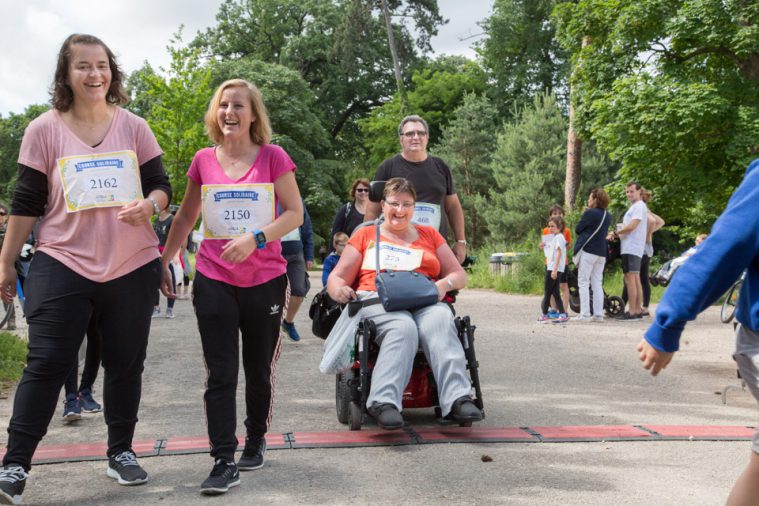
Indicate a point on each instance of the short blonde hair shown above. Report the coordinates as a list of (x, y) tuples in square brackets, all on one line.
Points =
[(339, 237), (260, 129)]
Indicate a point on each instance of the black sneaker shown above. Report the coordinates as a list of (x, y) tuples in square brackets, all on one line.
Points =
[(386, 415), (253, 454), (223, 475), (464, 410), (124, 468), (12, 483)]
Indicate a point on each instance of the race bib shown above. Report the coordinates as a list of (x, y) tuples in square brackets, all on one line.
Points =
[(101, 180), (427, 214), (397, 258), (230, 211), (293, 235)]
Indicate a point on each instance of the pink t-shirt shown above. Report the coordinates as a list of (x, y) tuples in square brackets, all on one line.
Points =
[(264, 264), (91, 242)]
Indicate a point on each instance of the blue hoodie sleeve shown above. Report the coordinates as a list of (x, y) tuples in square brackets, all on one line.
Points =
[(732, 246), (307, 236)]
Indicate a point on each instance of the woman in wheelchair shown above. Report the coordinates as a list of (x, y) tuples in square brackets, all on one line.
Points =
[(407, 247)]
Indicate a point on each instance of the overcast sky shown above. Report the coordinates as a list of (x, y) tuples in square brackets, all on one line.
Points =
[(31, 32)]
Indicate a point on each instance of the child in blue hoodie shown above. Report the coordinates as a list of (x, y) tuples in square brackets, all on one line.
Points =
[(731, 247)]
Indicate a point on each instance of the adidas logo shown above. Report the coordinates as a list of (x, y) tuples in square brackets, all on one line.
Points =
[(275, 309)]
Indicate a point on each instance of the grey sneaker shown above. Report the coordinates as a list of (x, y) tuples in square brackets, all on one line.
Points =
[(169, 313), (124, 468), (12, 483), (582, 318), (253, 454), (223, 476), (156, 312)]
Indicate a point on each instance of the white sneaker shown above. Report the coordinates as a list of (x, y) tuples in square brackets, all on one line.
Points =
[(169, 313), (597, 318), (156, 312), (581, 318)]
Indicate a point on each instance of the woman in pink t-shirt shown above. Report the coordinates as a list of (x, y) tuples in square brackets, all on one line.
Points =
[(90, 173), (240, 286)]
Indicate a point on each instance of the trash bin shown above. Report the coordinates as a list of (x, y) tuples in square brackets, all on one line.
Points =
[(504, 263)]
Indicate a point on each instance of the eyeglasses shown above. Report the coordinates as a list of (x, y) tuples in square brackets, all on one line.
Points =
[(411, 133), (398, 205), (362, 190)]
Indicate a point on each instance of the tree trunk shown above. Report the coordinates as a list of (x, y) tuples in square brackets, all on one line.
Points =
[(574, 152), (574, 163), (394, 53)]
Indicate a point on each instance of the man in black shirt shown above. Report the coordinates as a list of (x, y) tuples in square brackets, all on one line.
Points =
[(432, 179)]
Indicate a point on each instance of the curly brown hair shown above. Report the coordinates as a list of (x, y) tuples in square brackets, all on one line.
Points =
[(62, 95)]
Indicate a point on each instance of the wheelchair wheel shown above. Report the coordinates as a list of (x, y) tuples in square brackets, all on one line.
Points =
[(615, 306), (356, 415), (574, 302), (343, 396), (731, 299)]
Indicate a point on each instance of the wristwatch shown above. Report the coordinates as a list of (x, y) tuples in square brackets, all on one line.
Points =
[(260, 239), (156, 209), (449, 283)]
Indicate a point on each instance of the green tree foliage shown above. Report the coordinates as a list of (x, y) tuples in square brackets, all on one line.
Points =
[(338, 46), (438, 89), (521, 53), (670, 90), (174, 108), (528, 166), (467, 147), (11, 133)]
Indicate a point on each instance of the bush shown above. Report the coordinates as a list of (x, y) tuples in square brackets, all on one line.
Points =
[(12, 357)]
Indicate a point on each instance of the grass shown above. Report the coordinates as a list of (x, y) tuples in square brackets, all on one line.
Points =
[(12, 357)]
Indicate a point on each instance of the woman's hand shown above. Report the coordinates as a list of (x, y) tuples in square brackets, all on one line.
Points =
[(136, 213), (238, 249), (166, 282), (8, 277), (553, 274), (344, 294), (442, 288)]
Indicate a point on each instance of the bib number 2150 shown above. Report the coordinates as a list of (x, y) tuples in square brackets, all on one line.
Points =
[(236, 214)]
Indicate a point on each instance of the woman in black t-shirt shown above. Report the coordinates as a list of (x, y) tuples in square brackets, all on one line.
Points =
[(351, 214)]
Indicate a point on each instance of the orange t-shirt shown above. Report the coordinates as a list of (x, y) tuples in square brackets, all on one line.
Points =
[(420, 256), (567, 236)]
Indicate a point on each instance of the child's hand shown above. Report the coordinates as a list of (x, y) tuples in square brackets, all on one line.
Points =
[(553, 274)]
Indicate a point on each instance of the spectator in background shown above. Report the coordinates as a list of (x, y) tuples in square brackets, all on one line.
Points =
[(654, 223), (590, 254), (632, 233), (557, 211), (298, 250), (351, 214), (338, 243), (162, 226)]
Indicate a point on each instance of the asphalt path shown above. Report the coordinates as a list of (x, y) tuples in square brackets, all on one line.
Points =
[(531, 374)]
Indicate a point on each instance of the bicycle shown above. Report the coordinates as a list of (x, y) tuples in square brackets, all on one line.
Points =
[(731, 300)]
